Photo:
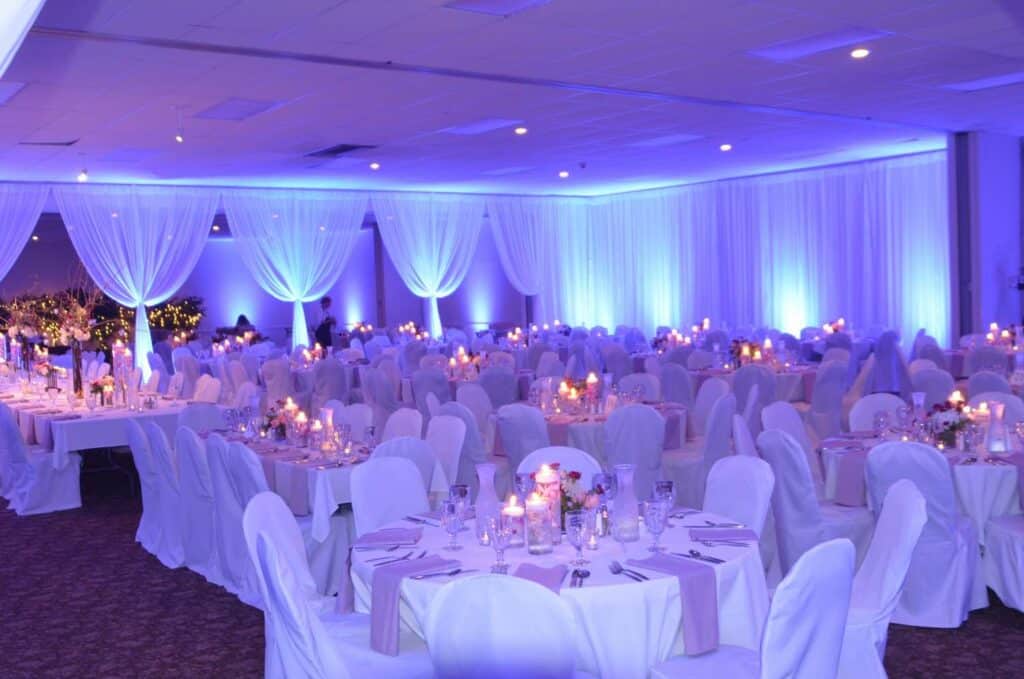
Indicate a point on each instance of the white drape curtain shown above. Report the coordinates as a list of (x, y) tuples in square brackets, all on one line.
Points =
[(16, 17), (138, 243), (295, 243), (20, 207), (867, 241), (431, 240), (525, 231)]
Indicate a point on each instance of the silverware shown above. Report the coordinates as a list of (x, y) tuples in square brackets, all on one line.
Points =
[(408, 557), (684, 513), (616, 568), (719, 543), (705, 557), (724, 524), (454, 571), (378, 548), (580, 574), (390, 557)]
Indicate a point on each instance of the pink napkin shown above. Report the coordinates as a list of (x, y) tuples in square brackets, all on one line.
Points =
[(390, 536), (712, 533), (548, 577), (1017, 459), (850, 477), (387, 580), (698, 594)]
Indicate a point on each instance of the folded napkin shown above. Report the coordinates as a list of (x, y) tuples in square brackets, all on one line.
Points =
[(712, 533), (387, 581), (698, 595), (390, 536), (548, 577)]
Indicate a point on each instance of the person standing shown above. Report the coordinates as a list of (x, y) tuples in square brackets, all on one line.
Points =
[(326, 326)]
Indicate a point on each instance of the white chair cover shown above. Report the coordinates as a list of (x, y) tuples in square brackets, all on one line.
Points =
[(752, 413), (410, 356), (207, 390), (935, 354), (358, 417), (986, 380), (473, 397), (635, 434), (535, 353), (936, 385), (406, 494), (945, 581), (277, 376), (148, 533), (550, 366), (889, 373), (919, 364), (879, 581), (700, 359), (617, 362), (445, 436), (985, 357), (1004, 559), (201, 417), (743, 382), (862, 415), (740, 487), (509, 628), (230, 548), (171, 551), (500, 384), (648, 386), (439, 361), (249, 396), (413, 449), (826, 413), (433, 404), (713, 389), (523, 430), (403, 422), (429, 381), (569, 459), (837, 355), (501, 359), (188, 366), (1013, 410), (197, 505), (742, 440), (248, 480), (473, 451), (330, 382), (782, 415), (676, 386), (251, 362), (157, 364), (152, 385), (379, 392), (803, 634)]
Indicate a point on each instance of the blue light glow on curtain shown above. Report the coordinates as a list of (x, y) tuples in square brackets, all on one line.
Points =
[(866, 241)]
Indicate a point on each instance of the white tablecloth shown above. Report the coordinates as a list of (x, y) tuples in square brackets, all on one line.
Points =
[(622, 627), (789, 386)]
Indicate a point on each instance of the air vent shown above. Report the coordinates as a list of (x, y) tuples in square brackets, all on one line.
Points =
[(338, 150), (238, 109), (495, 7), (507, 170), (667, 140), (805, 47), (70, 142), (481, 126)]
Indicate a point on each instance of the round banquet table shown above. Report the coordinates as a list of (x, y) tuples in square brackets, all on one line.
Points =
[(795, 384), (983, 489), (622, 627)]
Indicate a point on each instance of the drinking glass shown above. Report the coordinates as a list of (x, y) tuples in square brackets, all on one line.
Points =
[(451, 519), (578, 531), (904, 416), (90, 401), (604, 484), (459, 493), (368, 437), (666, 492), (881, 422), (655, 514), (501, 533)]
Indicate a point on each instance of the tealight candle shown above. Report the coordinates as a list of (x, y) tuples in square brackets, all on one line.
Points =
[(513, 516), (993, 327), (706, 324), (563, 389), (956, 397)]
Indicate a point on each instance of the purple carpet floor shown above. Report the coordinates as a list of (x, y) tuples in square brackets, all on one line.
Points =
[(79, 598)]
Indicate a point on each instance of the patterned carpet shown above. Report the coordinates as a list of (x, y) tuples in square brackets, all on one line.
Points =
[(80, 599)]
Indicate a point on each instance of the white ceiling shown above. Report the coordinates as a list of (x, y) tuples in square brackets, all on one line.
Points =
[(612, 84)]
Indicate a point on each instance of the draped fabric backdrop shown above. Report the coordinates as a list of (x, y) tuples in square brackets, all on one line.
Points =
[(139, 243), (295, 243), (16, 17), (524, 229), (20, 207), (868, 241), (431, 239)]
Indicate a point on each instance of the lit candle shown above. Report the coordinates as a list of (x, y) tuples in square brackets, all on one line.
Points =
[(592, 383), (707, 324), (767, 344), (990, 337), (956, 397), (546, 326), (538, 524), (994, 327), (557, 322), (757, 354), (512, 514), (563, 389), (1005, 334), (841, 322)]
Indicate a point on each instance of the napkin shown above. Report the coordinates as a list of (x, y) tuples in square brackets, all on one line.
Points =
[(387, 581), (548, 577), (698, 594), (713, 533), (390, 536)]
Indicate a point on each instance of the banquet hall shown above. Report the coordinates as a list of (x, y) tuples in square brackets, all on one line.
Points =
[(511, 338)]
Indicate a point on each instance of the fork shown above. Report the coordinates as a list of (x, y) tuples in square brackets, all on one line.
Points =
[(407, 557), (616, 568), (389, 557)]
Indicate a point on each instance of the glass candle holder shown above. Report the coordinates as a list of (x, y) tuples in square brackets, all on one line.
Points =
[(538, 525)]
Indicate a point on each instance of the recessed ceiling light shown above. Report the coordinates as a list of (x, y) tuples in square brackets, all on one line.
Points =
[(564, 174), (860, 53), (83, 176), (374, 166), (323, 228), (725, 147), (179, 138), (35, 237), (521, 131), (216, 227)]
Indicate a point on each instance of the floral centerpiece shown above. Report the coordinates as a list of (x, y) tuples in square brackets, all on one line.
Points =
[(947, 420), (575, 496), (831, 327), (743, 351), (279, 417)]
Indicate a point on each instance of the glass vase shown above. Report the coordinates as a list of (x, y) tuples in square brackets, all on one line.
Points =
[(487, 505), (625, 512), (76, 367)]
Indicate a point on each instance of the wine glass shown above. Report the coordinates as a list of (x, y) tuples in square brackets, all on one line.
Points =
[(459, 493), (368, 436), (655, 514), (451, 519), (881, 422), (524, 484), (501, 533), (666, 492), (578, 531)]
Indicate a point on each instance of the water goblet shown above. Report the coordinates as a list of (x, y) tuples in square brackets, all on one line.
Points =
[(368, 437), (459, 493), (501, 534), (655, 514), (904, 416), (666, 492), (881, 422), (578, 531), (524, 484), (451, 519)]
